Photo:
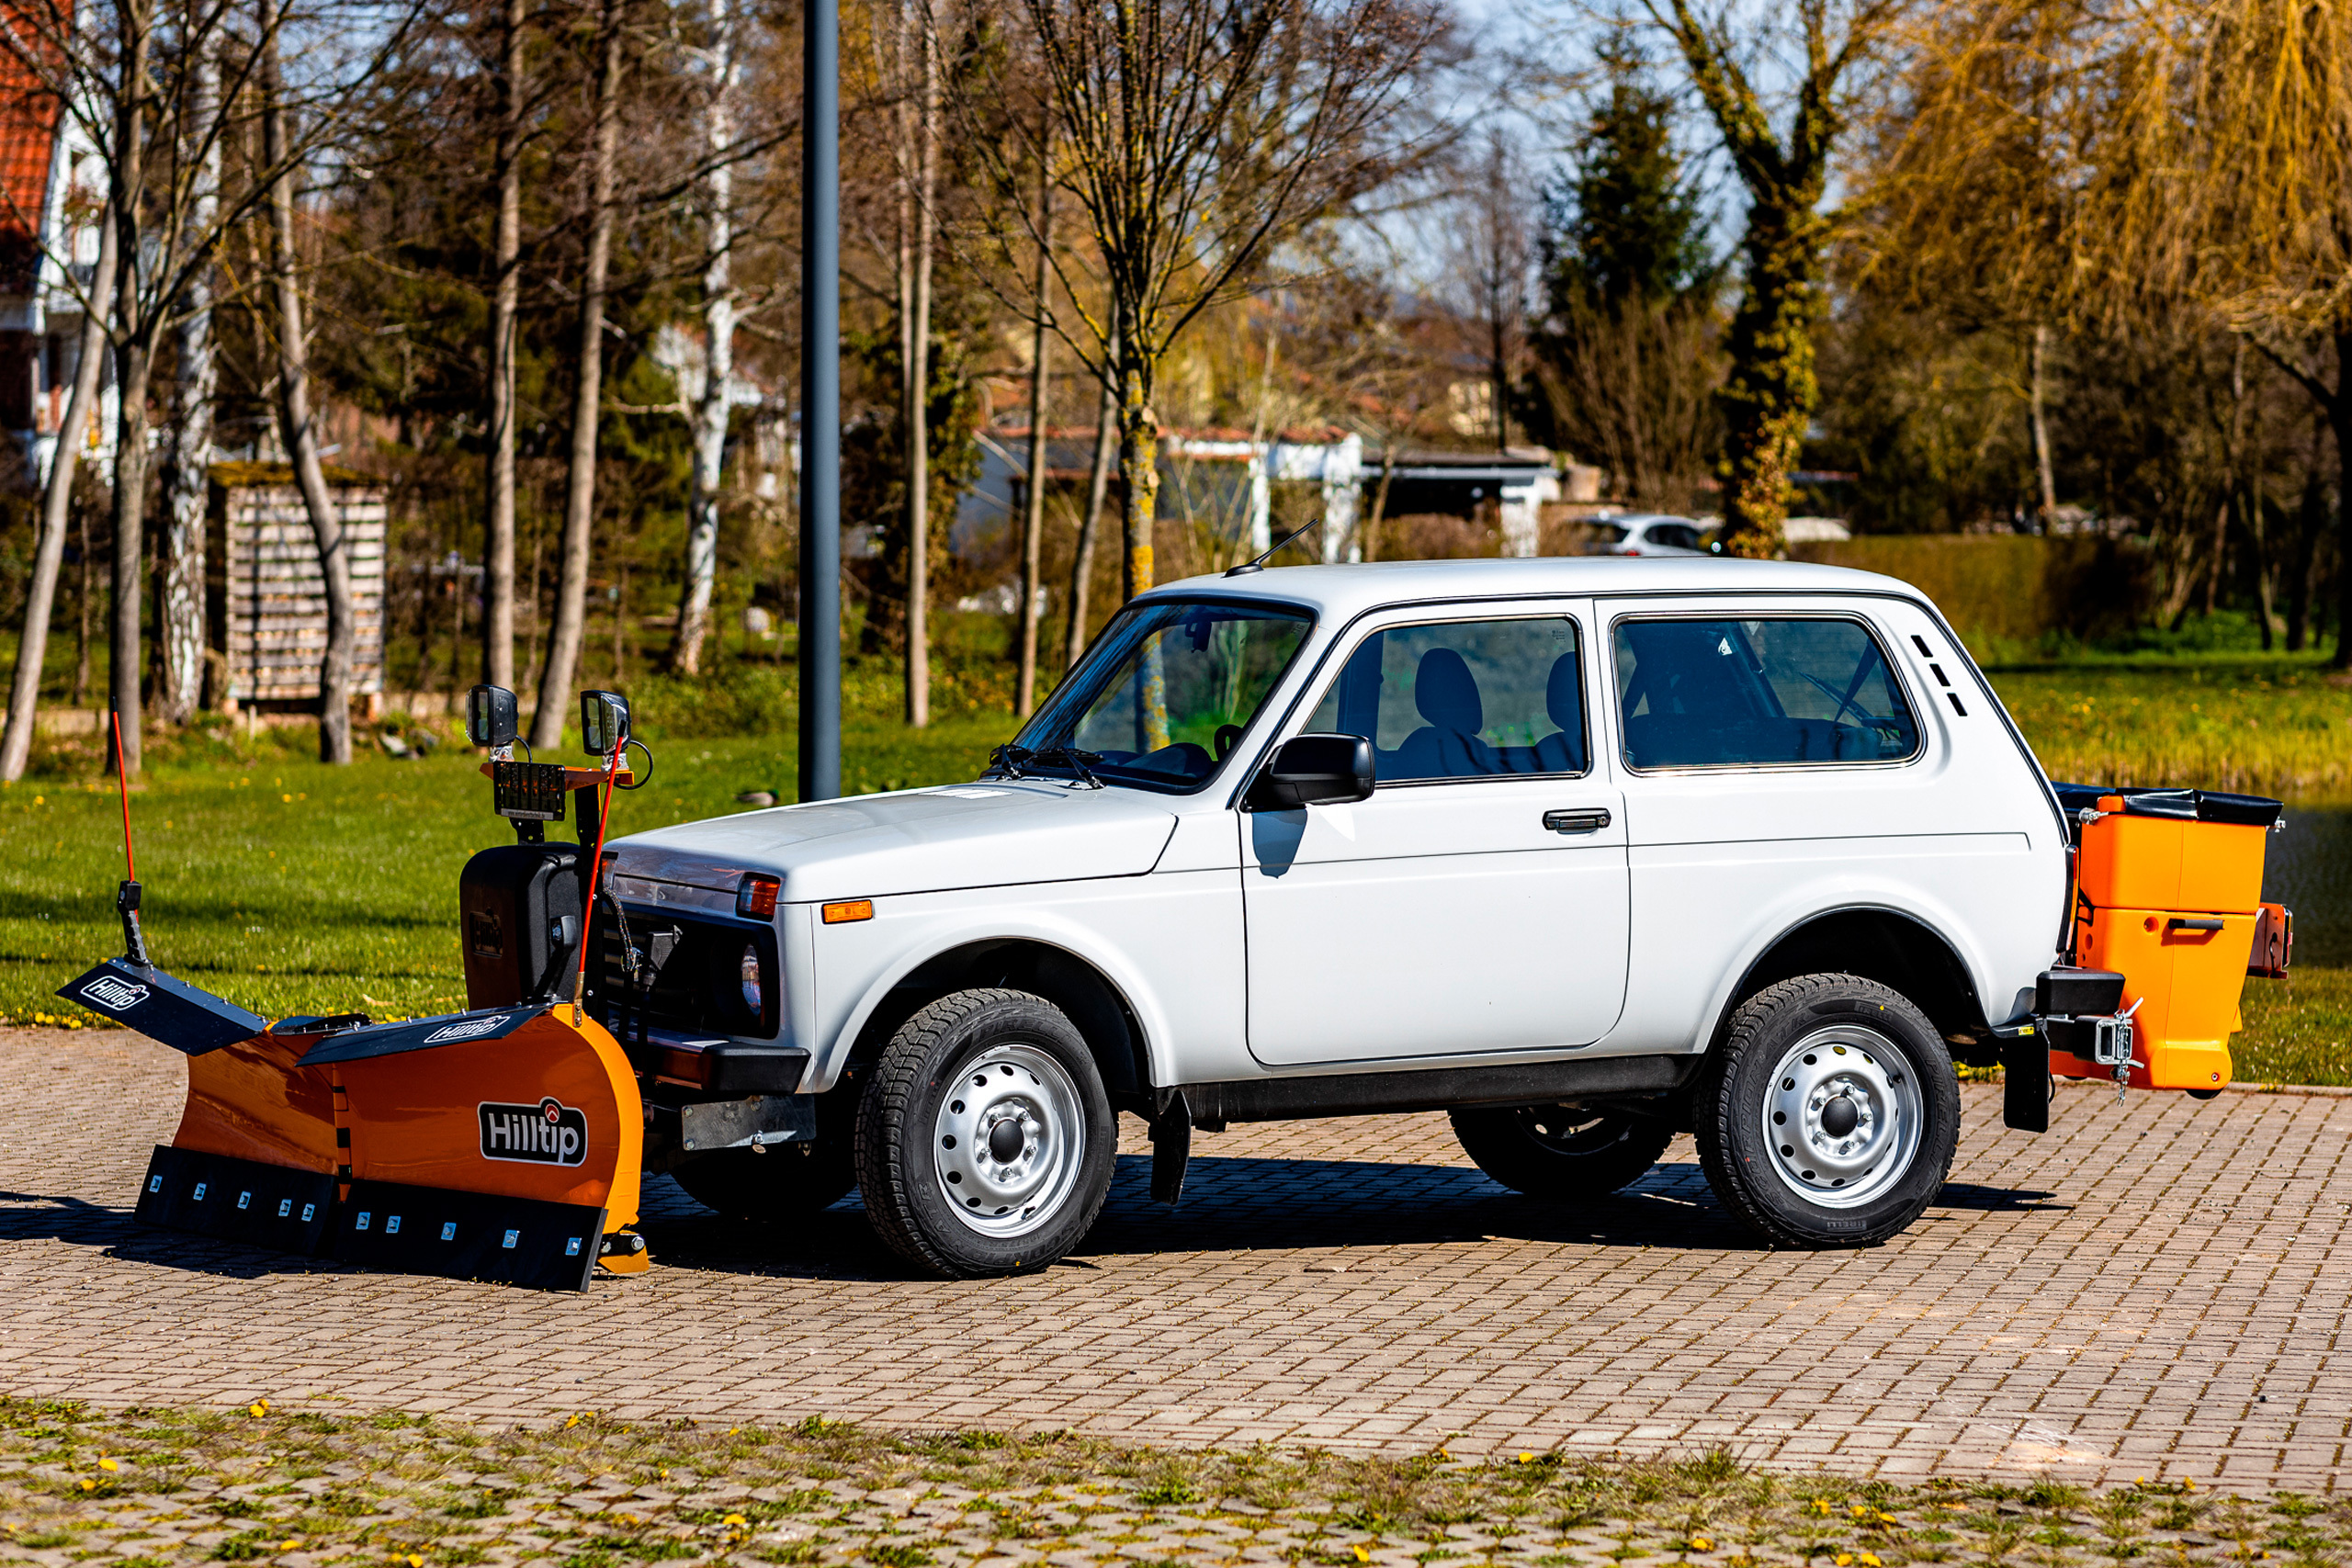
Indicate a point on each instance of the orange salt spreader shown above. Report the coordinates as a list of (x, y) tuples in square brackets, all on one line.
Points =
[(505, 1143), (2168, 921)]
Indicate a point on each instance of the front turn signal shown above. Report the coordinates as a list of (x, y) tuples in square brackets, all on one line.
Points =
[(755, 895), (849, 909)]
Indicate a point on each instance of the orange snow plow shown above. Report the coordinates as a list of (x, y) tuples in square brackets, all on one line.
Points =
[(505, 1143), (2166, 922)]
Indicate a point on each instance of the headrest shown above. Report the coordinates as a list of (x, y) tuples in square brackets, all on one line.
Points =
[(1564, 695), (1447, 694)]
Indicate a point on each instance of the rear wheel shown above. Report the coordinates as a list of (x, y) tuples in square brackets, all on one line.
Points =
[(985, 1140), (1829, 1115), (1562, 1151)]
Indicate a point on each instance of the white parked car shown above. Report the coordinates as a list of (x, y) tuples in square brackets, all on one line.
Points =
[(1647, 533), (1583, 854)]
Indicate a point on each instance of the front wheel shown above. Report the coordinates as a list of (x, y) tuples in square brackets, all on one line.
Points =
[(1562, 1152), (1829, 1116), (985, 1141)]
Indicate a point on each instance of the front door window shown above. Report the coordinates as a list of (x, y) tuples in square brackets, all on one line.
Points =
[(1463, 699)]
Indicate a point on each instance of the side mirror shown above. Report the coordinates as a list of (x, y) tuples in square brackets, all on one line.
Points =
[(604, 721), (1314, 770), (491, 716)]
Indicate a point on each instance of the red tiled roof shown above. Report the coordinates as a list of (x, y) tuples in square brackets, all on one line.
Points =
[(29, 115)]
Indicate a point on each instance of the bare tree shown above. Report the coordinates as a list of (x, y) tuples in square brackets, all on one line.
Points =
[(505, 319), (1201, 139), (1098, 486), (56, 514), (180, 619), (580, 478), (137, 104), (1033, 516), (1494, 251), (918, 119), (708, 411)]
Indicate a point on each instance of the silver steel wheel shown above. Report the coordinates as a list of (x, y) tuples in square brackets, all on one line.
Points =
[(1010, 1140), (1844, 1117)]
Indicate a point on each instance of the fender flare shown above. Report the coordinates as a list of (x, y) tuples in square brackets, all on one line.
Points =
[(1125, 984), (1890, 903)]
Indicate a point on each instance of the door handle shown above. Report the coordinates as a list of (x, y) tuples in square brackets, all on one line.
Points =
[(2179, 924), (1590, 820)]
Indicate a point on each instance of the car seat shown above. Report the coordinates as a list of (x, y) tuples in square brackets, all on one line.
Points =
[(1564, 704), (1446, 746)]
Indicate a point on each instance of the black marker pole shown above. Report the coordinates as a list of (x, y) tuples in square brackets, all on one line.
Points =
[(820, 409)]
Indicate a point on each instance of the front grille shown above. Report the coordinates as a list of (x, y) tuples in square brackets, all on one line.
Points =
[(691, 975)]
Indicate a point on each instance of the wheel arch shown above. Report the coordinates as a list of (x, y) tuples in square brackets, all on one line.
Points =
[(1894, 947), (1096, 1004)]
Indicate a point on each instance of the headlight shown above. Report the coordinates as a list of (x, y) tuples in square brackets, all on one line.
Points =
[(753, 996)]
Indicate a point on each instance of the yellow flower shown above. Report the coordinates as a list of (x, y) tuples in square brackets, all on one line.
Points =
[(735, 1519), (574, 1421), (287, 798), (1843, 1560), (1362, 1555), (1870, 1560), (1701, 1543), (89, 1486), (1527, 1458), (105, 1463), (289, 1543), (1821, 1506), (257, 1409), (1859, 1512)]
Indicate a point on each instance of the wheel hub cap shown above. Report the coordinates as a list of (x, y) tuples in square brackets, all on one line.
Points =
[(1843, 1117), (1008, 1142)]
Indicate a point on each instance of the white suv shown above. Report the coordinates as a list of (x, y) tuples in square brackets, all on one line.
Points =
[(1584, 854), (1648, 534)]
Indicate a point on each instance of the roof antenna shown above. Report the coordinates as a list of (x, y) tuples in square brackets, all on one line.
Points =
[(1259, 564), (126, 895)]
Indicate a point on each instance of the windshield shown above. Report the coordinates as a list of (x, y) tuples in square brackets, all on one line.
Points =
[(1167, 689)]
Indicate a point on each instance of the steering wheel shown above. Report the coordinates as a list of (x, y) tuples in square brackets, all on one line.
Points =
[(1227, 734)]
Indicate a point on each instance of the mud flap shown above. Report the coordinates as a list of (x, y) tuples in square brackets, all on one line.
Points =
[(2025, 1082), (1171, 1150)]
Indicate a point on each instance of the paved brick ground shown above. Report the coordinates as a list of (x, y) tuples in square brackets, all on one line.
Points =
[(2155, 1289)]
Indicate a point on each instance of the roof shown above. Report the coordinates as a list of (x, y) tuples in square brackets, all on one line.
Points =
[(1343, 592), (29, 115)]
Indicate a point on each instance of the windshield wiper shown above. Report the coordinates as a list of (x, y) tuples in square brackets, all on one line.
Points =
[(1073, 758), (1014, 761)]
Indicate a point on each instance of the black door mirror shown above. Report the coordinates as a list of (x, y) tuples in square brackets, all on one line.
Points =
[(490, 716), (1314, 770), (604, 721)]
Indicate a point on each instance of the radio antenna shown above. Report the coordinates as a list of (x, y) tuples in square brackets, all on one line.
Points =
[(126, 895), (588, 906), (1259, 563)]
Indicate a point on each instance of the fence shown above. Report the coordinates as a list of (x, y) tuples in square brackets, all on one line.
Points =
[(271, 621)]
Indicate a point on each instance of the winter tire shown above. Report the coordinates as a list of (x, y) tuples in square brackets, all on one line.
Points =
[(985, 1141), (1829, 1114), (1562, 1152)]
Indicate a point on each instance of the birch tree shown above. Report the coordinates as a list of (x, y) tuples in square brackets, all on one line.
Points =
[(1201, 137), (180, 624), (505, 319)]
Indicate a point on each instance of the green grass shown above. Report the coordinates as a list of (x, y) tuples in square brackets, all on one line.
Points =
[(288, 886), (161, 1487), (344, 898)]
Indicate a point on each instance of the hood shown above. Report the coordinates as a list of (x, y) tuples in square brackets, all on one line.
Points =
[(927, 841)]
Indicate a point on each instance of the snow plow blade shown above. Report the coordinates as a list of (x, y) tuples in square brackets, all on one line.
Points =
[(504, 1145)]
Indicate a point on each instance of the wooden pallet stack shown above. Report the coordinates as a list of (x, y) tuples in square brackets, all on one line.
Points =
[(273, 606)]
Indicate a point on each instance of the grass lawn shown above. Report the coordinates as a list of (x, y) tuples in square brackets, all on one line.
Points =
[(343, 898), (155, 1488)]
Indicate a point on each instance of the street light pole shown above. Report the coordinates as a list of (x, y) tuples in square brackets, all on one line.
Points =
[(820, 403)]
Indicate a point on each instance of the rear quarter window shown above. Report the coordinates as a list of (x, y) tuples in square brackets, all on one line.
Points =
[(1758, 692)]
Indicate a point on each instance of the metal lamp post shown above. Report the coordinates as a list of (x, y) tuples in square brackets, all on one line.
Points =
[(820, 404)]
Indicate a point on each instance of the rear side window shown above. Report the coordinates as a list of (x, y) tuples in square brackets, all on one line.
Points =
[(1674, 535), (1765, 692), (1463, 699)]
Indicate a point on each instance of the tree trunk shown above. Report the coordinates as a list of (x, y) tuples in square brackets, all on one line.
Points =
[(917, 367), (2234, 451), (1379, 501), (1138, 463), (294, 421), (179, 621), (712, 409), (1032, 520), (82, 614), (580, 479), (2310, 519), (505, 314), (56, 516), (1769, 396), (2035, 354), (1098, 490), (135, 363), (2339, 419)]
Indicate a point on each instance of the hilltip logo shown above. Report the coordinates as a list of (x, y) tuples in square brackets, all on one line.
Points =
[(549, 1132), (465, 1029), (114, 994)]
